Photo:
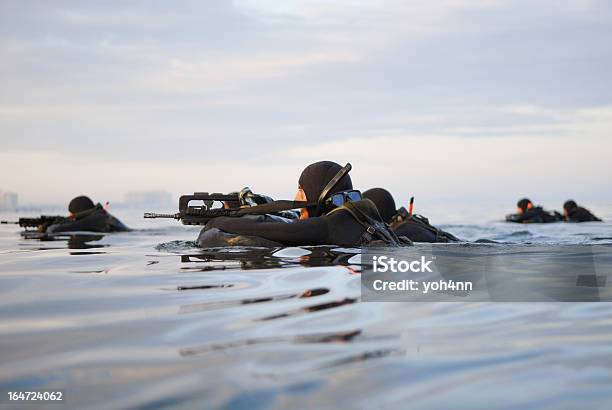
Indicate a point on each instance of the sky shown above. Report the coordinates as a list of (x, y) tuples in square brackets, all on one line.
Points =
[(452, 100)]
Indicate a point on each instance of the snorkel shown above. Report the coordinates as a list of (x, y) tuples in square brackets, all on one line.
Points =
[(321, 204), (410, 207), (323, 186)]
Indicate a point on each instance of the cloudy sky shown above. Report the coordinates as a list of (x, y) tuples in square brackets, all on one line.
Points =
[(452, 100)]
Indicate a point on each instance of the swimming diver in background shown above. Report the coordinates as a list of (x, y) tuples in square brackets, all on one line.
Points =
[(415, 227), (335, 215), (574, 213), (85, 216), (528, 213)]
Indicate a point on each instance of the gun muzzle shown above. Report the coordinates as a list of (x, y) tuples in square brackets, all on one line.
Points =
[(153, 215), (9, 223)]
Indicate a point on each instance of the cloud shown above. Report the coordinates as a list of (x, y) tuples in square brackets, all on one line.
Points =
[(246, 86), (56, 178), (502, 163), (478, 168), (231, 73)]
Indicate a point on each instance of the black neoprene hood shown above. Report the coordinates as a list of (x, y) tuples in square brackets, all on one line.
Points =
[(569, 205), (523, 203), (384, 202), (80, 204), (316, 176)]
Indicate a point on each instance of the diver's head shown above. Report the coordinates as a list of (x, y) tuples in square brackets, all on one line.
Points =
[(569, 205), (523, 205), (80, 204), (313, 180), (384, 202)]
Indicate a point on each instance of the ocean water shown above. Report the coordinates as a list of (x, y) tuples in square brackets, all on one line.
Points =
[(145, 319)]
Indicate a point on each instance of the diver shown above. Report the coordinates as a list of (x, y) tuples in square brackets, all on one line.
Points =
[(334, 214), (574, 213), (85, 216), (404, 223), (528, 213)]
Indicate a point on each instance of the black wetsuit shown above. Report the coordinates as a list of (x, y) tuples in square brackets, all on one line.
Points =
[(414, 227), (535, 215), (580, 214), (355, 223), (93, 220), (418, 231), (336, 228), (415, 232)]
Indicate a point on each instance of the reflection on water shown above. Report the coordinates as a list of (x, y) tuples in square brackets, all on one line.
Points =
[(342, 337), (146, 319), (72, 241)]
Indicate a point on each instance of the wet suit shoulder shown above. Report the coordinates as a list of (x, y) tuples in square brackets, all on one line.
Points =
[(580, 214), (338, 227), (96, 219), (535, 215), (418, 229)]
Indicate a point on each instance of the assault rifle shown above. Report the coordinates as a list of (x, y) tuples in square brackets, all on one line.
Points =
[(36, 222), (242, 203), (208, 206)]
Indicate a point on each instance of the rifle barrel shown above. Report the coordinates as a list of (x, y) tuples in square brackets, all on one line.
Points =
[(9, 223), (154, 215)]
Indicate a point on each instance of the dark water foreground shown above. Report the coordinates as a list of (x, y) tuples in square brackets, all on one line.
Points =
[(122, 321)]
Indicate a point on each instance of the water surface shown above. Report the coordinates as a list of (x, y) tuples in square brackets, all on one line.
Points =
[(146, 319)]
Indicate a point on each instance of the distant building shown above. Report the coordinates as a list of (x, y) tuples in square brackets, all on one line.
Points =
[(148, 198), (8, 201)]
